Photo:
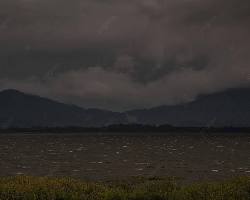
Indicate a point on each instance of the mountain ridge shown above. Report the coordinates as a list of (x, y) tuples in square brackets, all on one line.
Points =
[(217, 109), (227, 108), (19, 109)]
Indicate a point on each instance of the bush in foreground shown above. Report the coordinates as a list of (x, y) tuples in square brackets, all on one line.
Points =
[(44, 188)]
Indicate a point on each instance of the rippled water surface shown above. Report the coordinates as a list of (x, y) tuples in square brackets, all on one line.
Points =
[(109, 157)]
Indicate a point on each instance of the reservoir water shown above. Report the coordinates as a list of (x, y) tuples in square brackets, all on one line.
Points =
[(188, 157)]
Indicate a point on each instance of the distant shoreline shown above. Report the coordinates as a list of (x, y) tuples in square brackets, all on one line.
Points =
[(132, 128)]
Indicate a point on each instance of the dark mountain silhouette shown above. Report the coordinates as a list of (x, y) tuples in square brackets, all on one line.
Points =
[(18, 109), (227, 108)]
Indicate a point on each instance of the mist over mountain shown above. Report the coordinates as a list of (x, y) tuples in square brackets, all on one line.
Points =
[(227, 108)]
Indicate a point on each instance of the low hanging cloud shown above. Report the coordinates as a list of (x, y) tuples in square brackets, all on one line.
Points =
[(97, 87), (121, 55)]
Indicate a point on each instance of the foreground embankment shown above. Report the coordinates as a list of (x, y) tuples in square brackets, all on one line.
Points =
[(44, 188)]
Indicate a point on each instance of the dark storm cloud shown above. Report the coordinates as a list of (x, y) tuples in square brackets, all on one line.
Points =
[(124, 54)]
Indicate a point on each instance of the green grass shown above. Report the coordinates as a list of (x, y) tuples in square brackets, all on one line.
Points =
[(44, 188)]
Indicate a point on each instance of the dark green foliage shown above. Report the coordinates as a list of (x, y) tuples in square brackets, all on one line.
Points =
[(34, 188)]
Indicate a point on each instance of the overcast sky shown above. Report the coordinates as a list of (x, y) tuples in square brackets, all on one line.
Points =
[(120, 55)]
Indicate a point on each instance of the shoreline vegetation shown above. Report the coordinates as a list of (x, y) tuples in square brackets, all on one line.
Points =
[(128, 128), (137, 188)]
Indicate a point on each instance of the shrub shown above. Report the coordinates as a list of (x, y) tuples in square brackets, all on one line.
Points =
[(44, 188)]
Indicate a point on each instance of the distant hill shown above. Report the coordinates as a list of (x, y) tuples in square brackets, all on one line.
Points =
[(18, 109), (227, 108)]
